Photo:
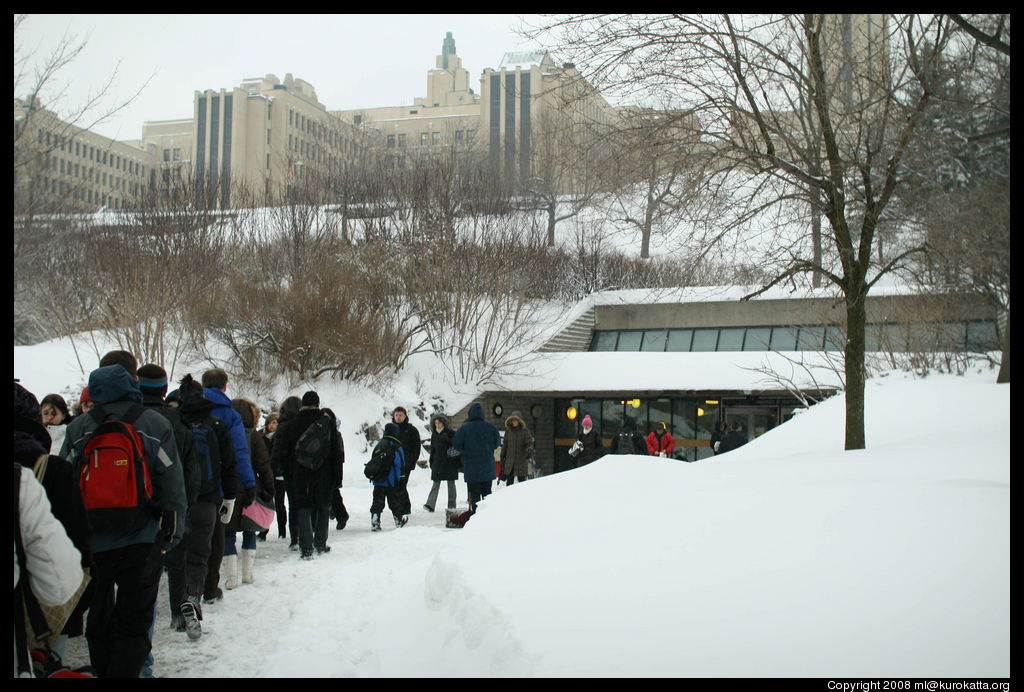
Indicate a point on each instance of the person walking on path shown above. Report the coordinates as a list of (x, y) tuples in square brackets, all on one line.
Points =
[(309, 489), (127, 559), (516, 450), (389, 488), (264, 490), (443, 468), (267, 436), (219, 486), (476, 441), (410, 438)]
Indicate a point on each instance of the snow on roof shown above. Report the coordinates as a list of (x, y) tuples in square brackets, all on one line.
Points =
[(708, 294), (619, 371), (522, 57)]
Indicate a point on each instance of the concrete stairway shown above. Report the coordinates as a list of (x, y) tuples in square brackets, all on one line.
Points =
[(575, 337)]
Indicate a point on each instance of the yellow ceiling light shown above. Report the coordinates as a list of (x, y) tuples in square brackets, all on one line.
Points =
[(700, 411), (571, 413)]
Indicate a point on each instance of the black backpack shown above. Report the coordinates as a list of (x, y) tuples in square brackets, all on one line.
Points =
[(314, 445), (207, 455), (378, 468), (626, 445)]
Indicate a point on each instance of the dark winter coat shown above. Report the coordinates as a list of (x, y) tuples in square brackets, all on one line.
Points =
[(442, 466), (183, 439), (61, 485), (339, 449), (477, 439), (639, 446), (593, 447), (222, 450), (268, 442), (411, 442), (716, 436), (116, 391), (311, 488), (516, 448), (222, 409), (732, 440), (264, 477)]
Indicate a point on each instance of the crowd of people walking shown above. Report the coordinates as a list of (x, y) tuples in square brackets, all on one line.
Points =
[(142, 479), (195, 470)]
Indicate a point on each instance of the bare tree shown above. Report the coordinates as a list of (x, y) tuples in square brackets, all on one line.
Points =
[(570, 164), (41, 101), (657, 170), (764, 88), (957, 189)]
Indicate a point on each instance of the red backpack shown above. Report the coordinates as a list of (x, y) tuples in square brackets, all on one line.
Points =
[(116, 486)]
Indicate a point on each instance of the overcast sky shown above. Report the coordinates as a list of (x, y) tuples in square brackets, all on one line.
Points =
[(353, 61)]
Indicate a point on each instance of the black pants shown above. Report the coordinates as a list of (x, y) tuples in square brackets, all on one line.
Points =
[(216, 557), (117, 629), (313, 524), (279, 505), (188, 562), (293, 524), (477, 492), (394, 499), (402, 493), (512, 479)]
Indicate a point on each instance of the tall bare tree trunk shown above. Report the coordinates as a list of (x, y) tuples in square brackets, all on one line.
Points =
[(856, 315), (1004, 365)]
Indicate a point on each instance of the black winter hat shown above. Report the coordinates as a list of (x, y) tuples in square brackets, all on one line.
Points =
[(311, 399), (153, 379), (26, 404)]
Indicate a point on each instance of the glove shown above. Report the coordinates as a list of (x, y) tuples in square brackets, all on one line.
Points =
[(168, 524), (249, 496), (452, 452), (422, 464), (227, 508)]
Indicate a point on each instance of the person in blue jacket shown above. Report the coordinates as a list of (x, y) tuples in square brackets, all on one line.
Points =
[(476, 440), (391, 489), (215, 385)]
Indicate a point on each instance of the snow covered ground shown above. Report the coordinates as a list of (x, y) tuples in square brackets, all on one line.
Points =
[(788, 557)]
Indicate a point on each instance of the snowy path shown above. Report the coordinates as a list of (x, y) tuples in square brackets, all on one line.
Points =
[(333, 607)]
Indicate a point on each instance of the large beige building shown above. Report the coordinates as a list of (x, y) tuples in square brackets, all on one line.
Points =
[(535, 113), (59, 165), (445, 121), (264, 135)]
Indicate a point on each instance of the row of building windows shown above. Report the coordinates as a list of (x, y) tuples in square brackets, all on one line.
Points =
[(91, 153), (63, 189), (88, 174), (460, 137), (331, 136), (937, 336), (424, 160)]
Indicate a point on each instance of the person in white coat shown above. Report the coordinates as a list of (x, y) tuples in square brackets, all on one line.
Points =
[(51, 559)]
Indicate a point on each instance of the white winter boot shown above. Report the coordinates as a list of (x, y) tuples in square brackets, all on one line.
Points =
[(248, 560), (229, 568)]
